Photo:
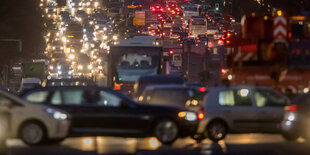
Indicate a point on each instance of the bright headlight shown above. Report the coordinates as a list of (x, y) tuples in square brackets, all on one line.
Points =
[(80, 67), (189, 116), (114, 37), (56, 114)]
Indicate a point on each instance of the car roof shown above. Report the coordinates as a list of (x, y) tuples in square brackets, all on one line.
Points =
[(166, 86), (238, 87)]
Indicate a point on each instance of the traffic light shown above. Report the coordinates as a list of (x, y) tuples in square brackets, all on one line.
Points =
[(217, 7)]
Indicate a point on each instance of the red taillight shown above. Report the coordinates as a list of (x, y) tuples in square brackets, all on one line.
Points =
[(161, 9), (291, 108), (201, 115), (202, 89), (153, 9)]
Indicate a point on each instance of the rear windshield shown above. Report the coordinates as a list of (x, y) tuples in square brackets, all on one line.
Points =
[(171, 97)]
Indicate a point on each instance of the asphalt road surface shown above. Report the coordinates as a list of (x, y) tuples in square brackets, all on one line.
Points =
[(242, 144)]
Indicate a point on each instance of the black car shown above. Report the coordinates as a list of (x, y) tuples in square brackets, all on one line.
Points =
[(104, 112)]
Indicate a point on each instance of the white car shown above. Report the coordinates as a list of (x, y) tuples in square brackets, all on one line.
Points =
[(33, 123)]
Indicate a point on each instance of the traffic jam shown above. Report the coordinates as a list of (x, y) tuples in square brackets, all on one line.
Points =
[(158, 77)]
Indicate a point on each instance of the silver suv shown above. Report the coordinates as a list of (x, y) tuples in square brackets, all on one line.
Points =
[(241, 109)]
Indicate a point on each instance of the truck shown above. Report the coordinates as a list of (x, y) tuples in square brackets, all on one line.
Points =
[(256, 59), (130, 59), (189, 10), (197, 26), (33, 73)]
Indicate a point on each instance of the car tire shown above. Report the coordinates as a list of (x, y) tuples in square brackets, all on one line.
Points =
[(166, 131), (33, 133), (217, 130), (290, 136)]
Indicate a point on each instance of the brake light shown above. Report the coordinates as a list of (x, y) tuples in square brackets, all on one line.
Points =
[(291, 108), (202, 89), (201, 115), (153, 9), (161, 9)]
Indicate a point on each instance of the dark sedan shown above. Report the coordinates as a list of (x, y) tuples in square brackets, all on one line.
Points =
[(105, 112)]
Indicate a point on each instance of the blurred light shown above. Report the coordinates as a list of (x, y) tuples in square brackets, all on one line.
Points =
[(90, 67), (201, 115), (171, 52), (291, 108), (71, 56), (224, 71), (114, 37), (154, 143), (244, 92), (279, 13), (182, 114), (191, 116), (306, 90), (291, 116), (51, 67), (202, 89), (229, 77), (80, 67)]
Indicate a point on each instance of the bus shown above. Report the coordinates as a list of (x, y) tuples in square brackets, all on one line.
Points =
[(190, 10), (132, 58), (197, 25)]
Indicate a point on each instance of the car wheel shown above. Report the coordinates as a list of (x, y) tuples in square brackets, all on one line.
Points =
[(166, 131), (290, 136), (217, 131), (32, 133)]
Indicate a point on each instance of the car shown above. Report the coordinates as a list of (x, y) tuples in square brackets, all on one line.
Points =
[(296, 122), (157, 8), (241, 109), (34, 124), (69, 82), (174, 95), (145, 81), (201, 38), (97, 111)]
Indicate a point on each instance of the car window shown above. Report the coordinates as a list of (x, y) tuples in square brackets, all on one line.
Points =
[(226, 98), (170, 96), (239, 97), (109, 99), (74, 97), (242, 97), (37, 97), (265, 98), (56, 98)]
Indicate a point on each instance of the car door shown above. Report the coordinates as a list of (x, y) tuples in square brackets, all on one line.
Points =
[(120, 115), (270, 109), (236, 106), (84, 114)]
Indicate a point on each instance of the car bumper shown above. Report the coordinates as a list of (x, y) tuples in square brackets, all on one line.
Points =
[(289, 126), (188, 128), (59, 129)]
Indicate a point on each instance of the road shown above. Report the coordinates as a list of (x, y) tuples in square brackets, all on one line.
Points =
[(254, 144)]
